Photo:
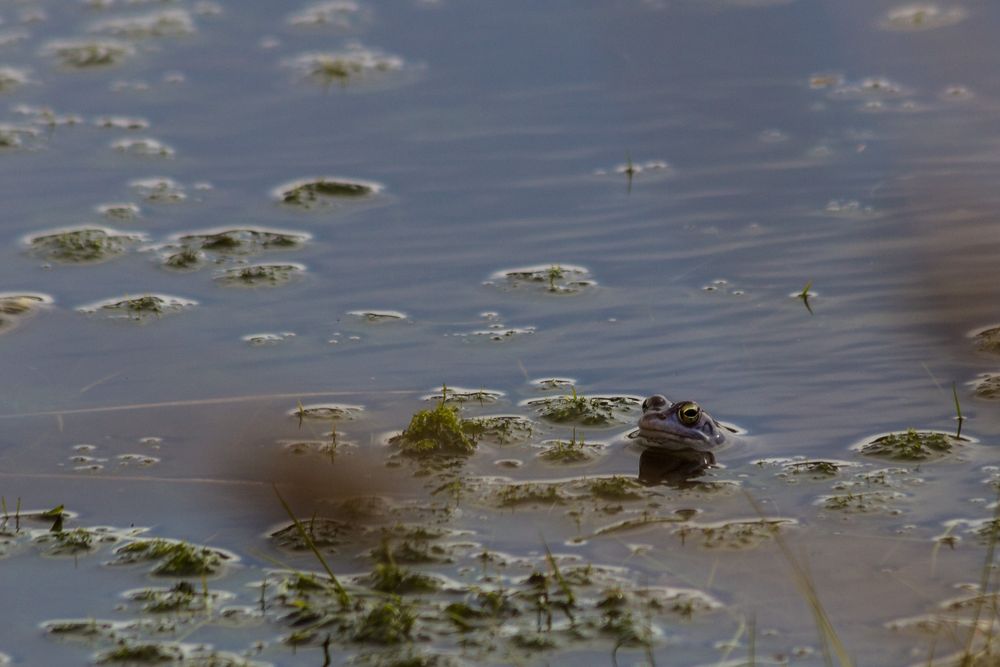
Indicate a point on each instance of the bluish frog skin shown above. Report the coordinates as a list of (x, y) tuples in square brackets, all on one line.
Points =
[(680, 425)]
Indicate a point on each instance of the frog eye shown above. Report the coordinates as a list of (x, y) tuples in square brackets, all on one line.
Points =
[(688, 413), (654, 402)]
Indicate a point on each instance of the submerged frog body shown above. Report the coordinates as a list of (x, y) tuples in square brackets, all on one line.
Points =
[(680, 425)]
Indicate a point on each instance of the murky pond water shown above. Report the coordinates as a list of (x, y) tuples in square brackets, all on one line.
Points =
[(244, 243)]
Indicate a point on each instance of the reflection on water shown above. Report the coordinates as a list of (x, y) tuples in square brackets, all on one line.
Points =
[(679, 468)]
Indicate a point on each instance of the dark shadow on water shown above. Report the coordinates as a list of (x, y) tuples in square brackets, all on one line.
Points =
[(680, 469)]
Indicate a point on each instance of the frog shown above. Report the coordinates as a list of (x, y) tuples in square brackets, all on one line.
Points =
[(681, 425)]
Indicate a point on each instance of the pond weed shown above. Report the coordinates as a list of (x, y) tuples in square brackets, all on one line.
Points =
[(438, 431), (616, 487), (583, 410), (82, 245), (173, 558), (324, 191), (912, 445)]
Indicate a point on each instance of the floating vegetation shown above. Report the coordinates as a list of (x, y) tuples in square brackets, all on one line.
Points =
[(461, 395), (987, 386), (388, 577), (957, 93), (815, 468), (137, 459), (871, 87), (173, 558), (183, 259), (181, 598), (122, 212), (553, 384), (84, 53), (571, 451), (15, 307), (615, 487), (258, 275), (354, 65), (12, 77), (159, 190), (911, 445), (987, 340), (848, 208), (143, 147), (146, 653), (325, 411), (501, 429), (165, 23), (329, 447), (324, 533), (13, 136), (238, 241), (584, 410), (733, 534), (46, 117), (139, 308), (81, 244), (377, 316), (267, 338), (922, 17), (827, 80), (635, 168), (531, 493), (343, 15), (862, 502), (439, 431), (326, 191), (549, 278), (121, 123)]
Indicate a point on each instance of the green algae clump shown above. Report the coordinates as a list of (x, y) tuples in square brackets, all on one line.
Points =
[(388, 623), (913, 445), (176, 559), (583, 410), (437, 431), (312, 192), (86, 244)]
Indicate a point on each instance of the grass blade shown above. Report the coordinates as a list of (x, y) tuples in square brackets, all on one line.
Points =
[(342, 596)]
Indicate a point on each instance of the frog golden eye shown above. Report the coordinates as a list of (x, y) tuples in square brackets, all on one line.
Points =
[(688, 413)]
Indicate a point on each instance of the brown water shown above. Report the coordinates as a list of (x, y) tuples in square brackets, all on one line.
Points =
[(848, 146)]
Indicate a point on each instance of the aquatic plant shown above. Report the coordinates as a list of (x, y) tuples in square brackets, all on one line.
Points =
[(83, 54), (913, 445), (512, 495), (615, 487), (260, 274), (569, 451), (146, 653), (309, 193), (502, 429), (174, 559), (389, 622), (388, 577), (438, 431), (85, 244), (583, 410), (555, 278)]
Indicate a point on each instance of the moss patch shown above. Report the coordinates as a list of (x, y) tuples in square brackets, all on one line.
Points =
[(173, 559), (311, 193), (83, 245), (439, 431), (912, 445)]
